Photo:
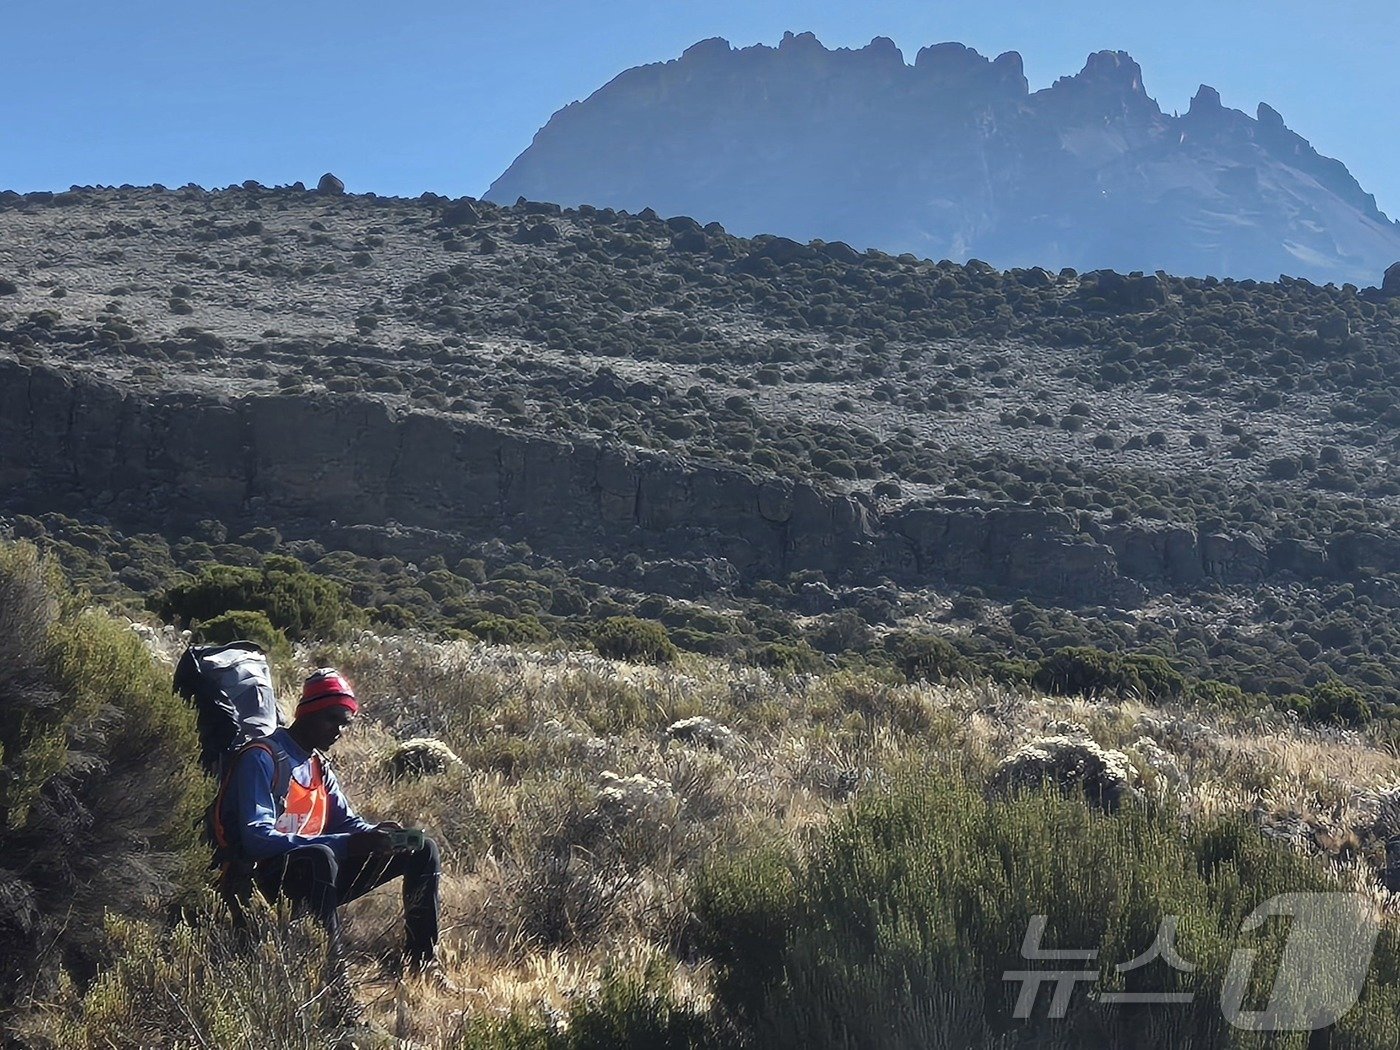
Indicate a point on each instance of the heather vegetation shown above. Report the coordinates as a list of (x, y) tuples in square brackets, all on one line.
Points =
[(97, 786), (1322, 653), (698, 853)]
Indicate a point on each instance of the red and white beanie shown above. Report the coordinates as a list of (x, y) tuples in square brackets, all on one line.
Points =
[(325, 689)]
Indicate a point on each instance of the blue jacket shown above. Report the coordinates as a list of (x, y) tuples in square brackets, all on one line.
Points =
[(250, 814)]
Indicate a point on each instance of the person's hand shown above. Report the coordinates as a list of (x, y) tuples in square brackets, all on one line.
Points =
[(388, 825), (363, 843)]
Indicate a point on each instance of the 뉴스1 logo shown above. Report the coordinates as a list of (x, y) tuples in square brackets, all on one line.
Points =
[(1325, 960)]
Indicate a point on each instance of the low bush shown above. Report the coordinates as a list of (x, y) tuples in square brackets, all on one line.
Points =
[(926, 657), (779, 656), (630, 638), (506, 630), (295, 600), (197, 985), (98, 788), (896, 927), (241, 624), (629, 1012)]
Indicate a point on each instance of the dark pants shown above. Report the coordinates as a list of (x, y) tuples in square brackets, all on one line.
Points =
[(317, 884)]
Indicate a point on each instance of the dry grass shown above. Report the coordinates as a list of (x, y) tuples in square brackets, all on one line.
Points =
[(547, 882), (573, 825)]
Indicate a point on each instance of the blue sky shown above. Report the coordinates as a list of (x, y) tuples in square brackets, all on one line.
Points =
[(441, 96)]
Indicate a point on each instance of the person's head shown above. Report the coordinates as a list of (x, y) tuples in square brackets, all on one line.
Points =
[(327, 707)]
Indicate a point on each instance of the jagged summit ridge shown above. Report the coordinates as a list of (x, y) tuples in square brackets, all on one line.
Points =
[(954, 156)]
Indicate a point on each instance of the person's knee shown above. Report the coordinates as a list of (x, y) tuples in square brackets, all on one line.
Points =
[(318, 862), (427, 857), (431, 854)]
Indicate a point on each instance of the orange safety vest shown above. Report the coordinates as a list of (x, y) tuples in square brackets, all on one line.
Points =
[(300, 810), (307, 808)]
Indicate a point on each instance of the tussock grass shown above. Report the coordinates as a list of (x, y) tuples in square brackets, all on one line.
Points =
[(581, 841), (199, 984)]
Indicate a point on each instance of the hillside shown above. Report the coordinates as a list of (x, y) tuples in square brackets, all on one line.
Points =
[(954, 157), (517, 421)]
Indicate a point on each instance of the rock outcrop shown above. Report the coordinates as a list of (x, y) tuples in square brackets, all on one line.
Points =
[(1390, 286), (955, 157), (351, 473), (1075, 765), (422, 756)]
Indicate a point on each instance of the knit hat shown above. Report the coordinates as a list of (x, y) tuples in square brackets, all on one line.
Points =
[(325, 689)]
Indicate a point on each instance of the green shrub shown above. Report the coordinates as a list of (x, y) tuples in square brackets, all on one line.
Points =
[(895, 927), (630, 638), (98, 789), (1339, 704), (506, 630), (779, 656), (1080, 670), (629, 1012), (1161, 681), (841, 632), (926, 657), (296, 601), (241, 624), (196, 985), (1220, 695)]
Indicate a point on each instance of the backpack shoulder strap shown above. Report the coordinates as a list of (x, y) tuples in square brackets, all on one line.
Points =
[(327, 770), (281, 768), (281, 781)]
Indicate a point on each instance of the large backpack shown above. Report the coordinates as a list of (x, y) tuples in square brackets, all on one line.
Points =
[(230, 688), (228, 857)]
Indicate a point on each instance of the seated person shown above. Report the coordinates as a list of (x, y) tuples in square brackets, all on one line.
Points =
[(284, 821)]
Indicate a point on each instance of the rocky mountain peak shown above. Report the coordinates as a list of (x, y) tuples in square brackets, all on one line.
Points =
[(953, 156), (711, 49), (1206, 100), (1113, 69), (958, 67), (800, 42), (1270, 118), (1109, 86)]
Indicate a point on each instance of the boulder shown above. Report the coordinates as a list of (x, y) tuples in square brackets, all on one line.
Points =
[(701, 732), (537, 233), (1074, 764), (1133, 291), (841, 252), (780, 251), (1390, 286), (1301, 558), (330, 185), (420, 757), (1234, 557), (632, 796), (460, 214), (690, 241), (1364, 553), (1152, 553)]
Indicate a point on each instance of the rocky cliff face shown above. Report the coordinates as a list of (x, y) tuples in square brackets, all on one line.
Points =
[(954, 157), (411, 484)]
